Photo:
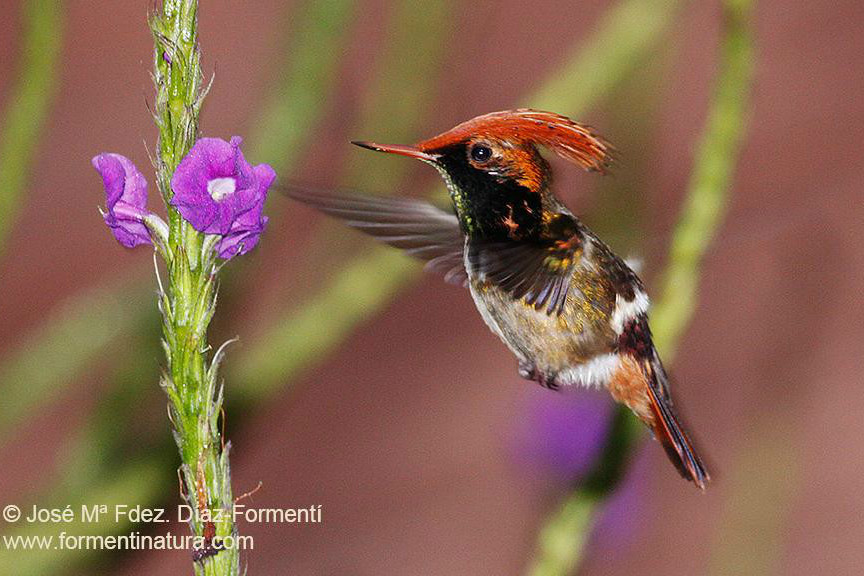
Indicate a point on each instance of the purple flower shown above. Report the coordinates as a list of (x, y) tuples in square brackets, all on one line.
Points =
[(218, 192), (126, 199)]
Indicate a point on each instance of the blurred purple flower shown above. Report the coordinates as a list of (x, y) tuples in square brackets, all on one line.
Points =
[(624, 513), (565, 432), (126, 199), (218, 192)]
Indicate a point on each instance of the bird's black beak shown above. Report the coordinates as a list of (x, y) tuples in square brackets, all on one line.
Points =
[(410, 151)]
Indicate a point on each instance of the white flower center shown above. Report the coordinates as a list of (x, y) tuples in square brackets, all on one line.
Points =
[(219, 188)]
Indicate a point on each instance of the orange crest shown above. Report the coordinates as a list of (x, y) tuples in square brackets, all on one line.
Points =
[(568, 139)]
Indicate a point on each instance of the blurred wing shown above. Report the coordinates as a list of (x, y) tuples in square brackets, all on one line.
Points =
[(419, 228), (540, 271)]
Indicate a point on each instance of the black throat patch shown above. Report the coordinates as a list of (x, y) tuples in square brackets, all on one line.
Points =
[(490, 206)]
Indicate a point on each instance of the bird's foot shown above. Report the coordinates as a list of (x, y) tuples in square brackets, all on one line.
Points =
[(548, 381), (529, 371)]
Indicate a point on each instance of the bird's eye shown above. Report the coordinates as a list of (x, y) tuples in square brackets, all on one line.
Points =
[(481, 153)]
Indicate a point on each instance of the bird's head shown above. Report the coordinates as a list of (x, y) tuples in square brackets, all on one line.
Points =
[(496, 176)]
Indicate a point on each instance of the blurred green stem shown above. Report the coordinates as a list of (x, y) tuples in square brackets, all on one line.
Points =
[(617, 48), (562, 541), (403, 87), (308, 72), (54, 353), (352, 295), (29, 104), (705, 205), (188, 301)]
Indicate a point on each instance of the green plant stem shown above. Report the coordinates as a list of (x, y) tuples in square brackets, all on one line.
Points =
[(562, 541), (29, 104), (189, 299)]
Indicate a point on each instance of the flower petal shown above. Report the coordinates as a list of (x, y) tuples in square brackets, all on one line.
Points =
[(127, 232), (125, 197), (241, 240)]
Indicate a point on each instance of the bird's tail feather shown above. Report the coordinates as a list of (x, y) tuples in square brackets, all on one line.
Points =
[(669, 431)]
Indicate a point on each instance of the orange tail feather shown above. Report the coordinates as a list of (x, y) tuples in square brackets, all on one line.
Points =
[(669, 431)]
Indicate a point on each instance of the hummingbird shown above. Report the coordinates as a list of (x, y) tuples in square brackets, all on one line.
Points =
[(570, 310)]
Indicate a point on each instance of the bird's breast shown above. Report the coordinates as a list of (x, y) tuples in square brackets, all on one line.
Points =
[(552, 342)]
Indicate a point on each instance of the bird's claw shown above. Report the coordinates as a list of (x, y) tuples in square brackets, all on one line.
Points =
[(529, 372)]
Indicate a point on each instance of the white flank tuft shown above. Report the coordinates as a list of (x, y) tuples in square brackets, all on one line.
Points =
[(595, 372)]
